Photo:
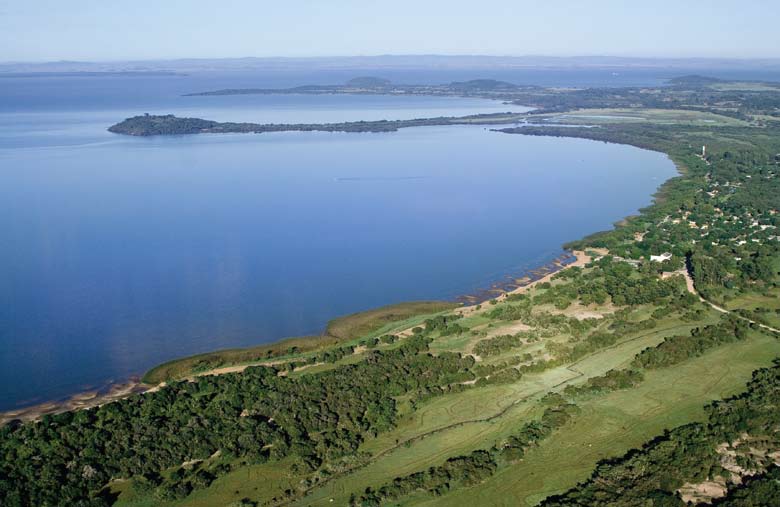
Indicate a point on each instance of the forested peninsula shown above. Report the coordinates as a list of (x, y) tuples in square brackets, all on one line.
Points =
[(167, 125), (643, 374), (369, 85), (694, 98)]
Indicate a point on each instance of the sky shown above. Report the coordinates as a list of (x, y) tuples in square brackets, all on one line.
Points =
[(98, 30)]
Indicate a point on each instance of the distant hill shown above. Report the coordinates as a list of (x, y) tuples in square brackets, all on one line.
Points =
[(482, 85), (361, 64), (695, 80), (152, 125), (368, 82)]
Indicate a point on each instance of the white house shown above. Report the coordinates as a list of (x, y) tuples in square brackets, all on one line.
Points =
[(660, 258)]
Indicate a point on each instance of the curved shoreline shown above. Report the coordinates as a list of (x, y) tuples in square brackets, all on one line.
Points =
[(78, 401), (135, 385), (511, 282), (116, 391)]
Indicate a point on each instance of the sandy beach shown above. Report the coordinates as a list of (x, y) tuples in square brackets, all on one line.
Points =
[(581, 259), (88, 399)]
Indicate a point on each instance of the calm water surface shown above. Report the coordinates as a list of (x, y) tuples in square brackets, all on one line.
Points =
[(119, 253)]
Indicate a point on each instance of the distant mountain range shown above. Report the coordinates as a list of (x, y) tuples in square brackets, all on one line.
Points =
[(392, 62)]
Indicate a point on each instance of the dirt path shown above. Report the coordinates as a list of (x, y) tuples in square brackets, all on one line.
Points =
[(692, 289)]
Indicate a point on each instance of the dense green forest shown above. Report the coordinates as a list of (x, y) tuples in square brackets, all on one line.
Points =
[(257, 415)]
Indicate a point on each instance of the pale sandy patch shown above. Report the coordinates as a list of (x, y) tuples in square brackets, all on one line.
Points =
[(78, 401), (704, 492), (581, 312), (581, 259), (300, 368), (707, 491), (513, 328)]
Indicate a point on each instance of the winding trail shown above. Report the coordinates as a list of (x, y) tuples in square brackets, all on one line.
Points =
[(692, 289)]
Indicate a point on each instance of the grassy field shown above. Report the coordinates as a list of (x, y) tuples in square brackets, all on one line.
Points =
[(459, 423), (612, 424), (643, 115), (363, 324), (769, 303), (745, 86), (339, 330)]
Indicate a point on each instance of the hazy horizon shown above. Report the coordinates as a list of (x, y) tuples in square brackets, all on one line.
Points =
[(478, 65), (87, 30), (574, 56)]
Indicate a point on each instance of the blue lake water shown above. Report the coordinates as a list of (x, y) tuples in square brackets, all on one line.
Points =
[(119, 253)]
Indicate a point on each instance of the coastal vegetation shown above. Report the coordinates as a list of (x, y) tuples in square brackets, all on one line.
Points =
[(255, 416), (338, 330), (167, 125), (369, 85), (735, 99), (595, 385)]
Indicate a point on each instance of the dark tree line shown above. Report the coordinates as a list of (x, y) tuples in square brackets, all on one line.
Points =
[(675, 349), (66, 459)]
